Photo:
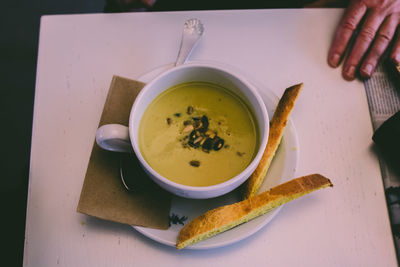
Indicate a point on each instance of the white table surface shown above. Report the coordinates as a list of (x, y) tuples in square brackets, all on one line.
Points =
[(347, 225)]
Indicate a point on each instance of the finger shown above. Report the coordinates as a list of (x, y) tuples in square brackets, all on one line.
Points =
[(395, 55), (345, 30), (381, 42), (361, 45)]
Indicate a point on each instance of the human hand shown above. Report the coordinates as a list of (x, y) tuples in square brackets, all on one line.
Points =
[(147, 3), (378, 21), (127, 5)]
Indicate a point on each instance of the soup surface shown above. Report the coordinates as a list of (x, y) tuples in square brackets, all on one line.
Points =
[(198, 134)]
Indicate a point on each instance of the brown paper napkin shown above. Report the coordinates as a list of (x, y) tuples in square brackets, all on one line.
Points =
[(103, 194)]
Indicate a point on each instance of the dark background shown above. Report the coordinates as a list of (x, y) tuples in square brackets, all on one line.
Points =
[(20, 23)]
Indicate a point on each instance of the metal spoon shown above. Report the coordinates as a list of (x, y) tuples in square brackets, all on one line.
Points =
[(192, 31), (122, 175)]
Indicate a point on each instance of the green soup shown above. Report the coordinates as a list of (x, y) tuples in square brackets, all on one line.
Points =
[(198, 134)]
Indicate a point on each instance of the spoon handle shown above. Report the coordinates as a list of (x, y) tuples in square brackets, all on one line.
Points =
[(192, 31)]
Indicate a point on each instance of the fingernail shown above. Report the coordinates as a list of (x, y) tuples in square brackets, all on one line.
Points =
[(367, 69), (350, 72), (397, 58), (334, 60)]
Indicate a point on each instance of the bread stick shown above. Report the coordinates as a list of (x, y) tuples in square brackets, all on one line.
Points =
[(277, 126), (226, 217)]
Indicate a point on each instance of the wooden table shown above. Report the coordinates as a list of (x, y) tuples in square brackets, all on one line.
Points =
[(78, 55)]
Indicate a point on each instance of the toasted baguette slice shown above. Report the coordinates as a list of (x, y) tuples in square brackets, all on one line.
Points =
[(277, 126), (226, 217)]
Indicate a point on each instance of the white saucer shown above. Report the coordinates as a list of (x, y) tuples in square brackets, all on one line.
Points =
[(283, 168)]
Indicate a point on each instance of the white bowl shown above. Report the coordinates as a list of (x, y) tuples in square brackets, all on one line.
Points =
[(199, 72)]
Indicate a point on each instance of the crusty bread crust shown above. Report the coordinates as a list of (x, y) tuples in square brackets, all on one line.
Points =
[(277, 126), (226, 217)]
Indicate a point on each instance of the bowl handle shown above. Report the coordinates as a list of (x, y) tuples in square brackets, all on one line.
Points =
[(114, 137)]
